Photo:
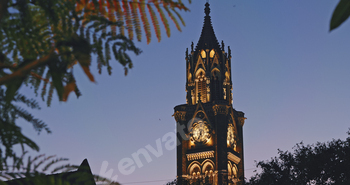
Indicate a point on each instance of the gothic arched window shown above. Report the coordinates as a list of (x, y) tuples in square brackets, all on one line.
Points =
[(215, 80), (201, 86), (208, 170), (194, 170)]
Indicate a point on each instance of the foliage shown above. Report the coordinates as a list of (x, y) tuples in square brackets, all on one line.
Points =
[(187, 182), (46, 170), (128, 12), (10, 133), (323, 163), (176, 181), (42, 41), (340, 14), (31, 167), (40, 168)]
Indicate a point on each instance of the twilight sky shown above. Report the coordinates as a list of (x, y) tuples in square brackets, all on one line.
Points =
[(291, 78)]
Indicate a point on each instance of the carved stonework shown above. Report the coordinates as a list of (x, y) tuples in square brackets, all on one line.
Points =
[(224, 93), (200, 155), (220, 109), (232, 157), (180, 116), (191, 84), (241, 120)]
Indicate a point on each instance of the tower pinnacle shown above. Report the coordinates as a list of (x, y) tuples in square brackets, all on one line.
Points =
[(207, 9), (207, 40)]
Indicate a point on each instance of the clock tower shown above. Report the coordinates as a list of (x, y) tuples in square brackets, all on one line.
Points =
[(209, 129)]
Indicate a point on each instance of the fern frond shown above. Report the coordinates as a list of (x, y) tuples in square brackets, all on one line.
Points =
[(120, 16), (100, 52), (163, 18), (135, 19), (179, 16), (88, 36), (154, 22), (128, 19), (28, 102), (101, 7), (172, 18), (108, 57), (43, 91), (38, 125), (39, 73), (79, 6), (64, 168), (111, 17), (29, 164), (54, 161), (144, 19), (40, 162), (49, 96)]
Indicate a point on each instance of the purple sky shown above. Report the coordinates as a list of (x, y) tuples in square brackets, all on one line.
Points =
[(291, 77)]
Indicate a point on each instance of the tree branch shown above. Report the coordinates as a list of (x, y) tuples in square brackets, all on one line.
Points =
[(26, 69), (9, 66), (40, 77)]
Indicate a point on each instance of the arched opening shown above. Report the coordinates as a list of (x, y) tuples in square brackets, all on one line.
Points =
[(212, 52), (203, 54), (208, 171), (229, 170), (234, 176), (232, 173), (215, 81), (231, 136), (201, 86), (194, 170)]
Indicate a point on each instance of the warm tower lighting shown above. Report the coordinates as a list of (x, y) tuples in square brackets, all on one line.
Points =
[(212, 149)]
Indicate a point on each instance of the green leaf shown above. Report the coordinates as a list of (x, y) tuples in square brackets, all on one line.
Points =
[(81, 51), (154, 22), (340, 14), (57, 77), (12, 89)]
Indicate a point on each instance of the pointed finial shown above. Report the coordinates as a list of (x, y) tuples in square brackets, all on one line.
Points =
[(186, 53), (207, 9), (229, 52), (192, 47), (222, 46)]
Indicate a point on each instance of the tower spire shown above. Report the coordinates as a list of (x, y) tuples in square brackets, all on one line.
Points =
[(207, 40), (207, 9)]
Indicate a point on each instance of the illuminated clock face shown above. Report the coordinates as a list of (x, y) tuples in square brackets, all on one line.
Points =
[(200, 132), (230, 136)]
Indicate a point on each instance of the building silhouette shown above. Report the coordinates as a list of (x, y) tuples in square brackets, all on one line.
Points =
[(209, 129), (82, 176)]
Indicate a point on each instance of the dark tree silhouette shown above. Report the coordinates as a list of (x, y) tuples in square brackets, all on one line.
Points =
[(322, 163)]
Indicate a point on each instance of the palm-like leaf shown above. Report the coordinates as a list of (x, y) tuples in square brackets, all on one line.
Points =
[(126, 11), (31, 167), (135, 19), (120, 15), (146, 27), (154, 22), (128, 19), (163, 18)]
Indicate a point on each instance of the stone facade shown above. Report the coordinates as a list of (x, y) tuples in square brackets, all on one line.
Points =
[(212, 148)]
